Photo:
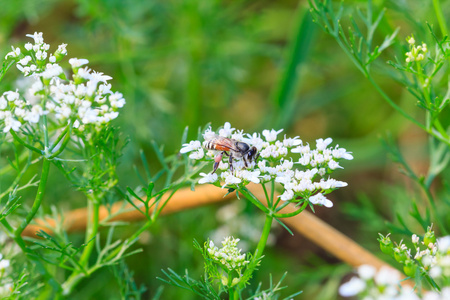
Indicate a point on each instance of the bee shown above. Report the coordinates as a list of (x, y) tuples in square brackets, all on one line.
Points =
[(231, 148)]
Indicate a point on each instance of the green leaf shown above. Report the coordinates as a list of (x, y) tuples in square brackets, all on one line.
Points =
[(284, 226), (160, 155), (300, 45), (145, 164), (149, 190)]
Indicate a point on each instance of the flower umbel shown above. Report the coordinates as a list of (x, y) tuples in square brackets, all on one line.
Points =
[(83, 101), (302, 172), (229, 256), (416, 53)]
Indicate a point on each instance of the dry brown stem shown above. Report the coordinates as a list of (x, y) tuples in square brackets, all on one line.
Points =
[(306, 223)]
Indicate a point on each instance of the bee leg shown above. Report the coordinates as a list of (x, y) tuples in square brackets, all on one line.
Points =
[(231, 163), (245, 161), (217, 161)]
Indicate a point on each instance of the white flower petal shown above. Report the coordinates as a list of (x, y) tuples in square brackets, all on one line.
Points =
[(352, 287)]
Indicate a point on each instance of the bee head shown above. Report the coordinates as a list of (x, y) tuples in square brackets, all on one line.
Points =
[(252, 154)]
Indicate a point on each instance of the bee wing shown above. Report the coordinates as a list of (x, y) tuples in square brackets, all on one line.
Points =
[(225, 144)]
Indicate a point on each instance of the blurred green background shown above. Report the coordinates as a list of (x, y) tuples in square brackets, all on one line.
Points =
[(258, 65)]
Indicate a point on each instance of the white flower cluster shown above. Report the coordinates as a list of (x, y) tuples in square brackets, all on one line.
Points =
[(86, 99), (229, 256), (305, 177), (435, 259), (373, 284), (440, 262), (416, 53), (385, 284)]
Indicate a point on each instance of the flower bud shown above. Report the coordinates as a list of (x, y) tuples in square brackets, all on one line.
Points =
[(386, 245), (400, 254), (415, 239), (410, 268), (46, 81), (78, 79), (224, 280), (235, 281), (60, 53), (429, 237)]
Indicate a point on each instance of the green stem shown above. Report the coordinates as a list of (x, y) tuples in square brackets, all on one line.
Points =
[(267, 195), (393, 104), (441, 129), (9, 229), (10, 232), (236, 294), (44, 119), (63, 144), (278, 202), (22, 142), (288, 215), (232, 291), (244, 191), (8, 168), (6, 69), (92, 230), (44, 122), (37, 200), (264, 236), (146, 225), (273, 193), (433, 207), (278, 208), (19, 176), (91, 233), (60, 137), (71, 282), (440, 17), (406, 115), (157, 210), (139, 232), (16, 235)]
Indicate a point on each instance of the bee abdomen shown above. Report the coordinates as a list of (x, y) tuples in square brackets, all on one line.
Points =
[(209, 145)]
